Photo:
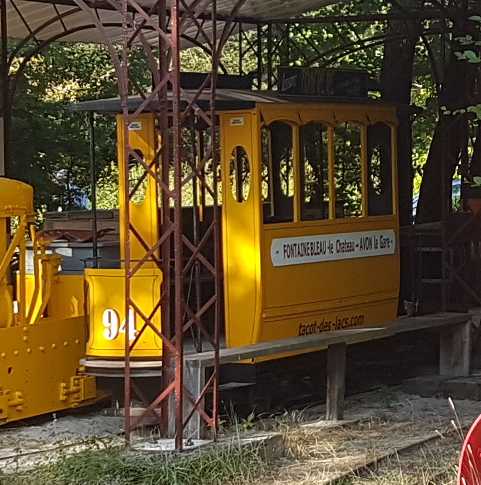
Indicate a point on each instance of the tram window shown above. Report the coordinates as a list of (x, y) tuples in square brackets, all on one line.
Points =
[(138, 178), (314, 172), (240, 174), (379, 170), (347, 146), (266, 189), (279, 171)]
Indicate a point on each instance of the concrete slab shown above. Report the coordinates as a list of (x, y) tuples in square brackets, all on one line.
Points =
[(464, 388), (457, 388), (425, 386)]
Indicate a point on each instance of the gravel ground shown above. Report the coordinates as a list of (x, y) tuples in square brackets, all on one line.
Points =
[(24, 446)]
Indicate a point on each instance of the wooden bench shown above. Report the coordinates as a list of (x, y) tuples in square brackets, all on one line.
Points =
[(455, 349)]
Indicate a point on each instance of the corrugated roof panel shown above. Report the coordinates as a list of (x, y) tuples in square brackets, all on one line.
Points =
[(24, 16)]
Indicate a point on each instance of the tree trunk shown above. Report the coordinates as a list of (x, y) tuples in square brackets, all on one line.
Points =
[(396, 83), (450, 135), (449, 139), (475, 165)]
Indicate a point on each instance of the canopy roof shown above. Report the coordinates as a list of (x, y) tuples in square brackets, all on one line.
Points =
[(226, 99), (64, 20)]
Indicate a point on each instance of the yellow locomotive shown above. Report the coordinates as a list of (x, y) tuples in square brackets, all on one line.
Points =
[(41, 341)]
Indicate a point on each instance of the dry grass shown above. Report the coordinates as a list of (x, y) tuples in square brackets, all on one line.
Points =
[(406, 441), (340, 456), (233, 464), (387, 449)]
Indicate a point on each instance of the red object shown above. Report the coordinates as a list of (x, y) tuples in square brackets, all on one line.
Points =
[(469, 472), (474, 205)]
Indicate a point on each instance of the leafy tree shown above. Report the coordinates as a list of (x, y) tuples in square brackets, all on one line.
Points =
[(50, 143)]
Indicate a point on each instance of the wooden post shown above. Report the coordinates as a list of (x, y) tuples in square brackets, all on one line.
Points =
[(336, 381), (194, 382), (455, 350), (2, 147)]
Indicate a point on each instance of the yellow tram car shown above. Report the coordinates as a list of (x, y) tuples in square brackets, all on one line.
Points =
[(309, 223), (310, 243)]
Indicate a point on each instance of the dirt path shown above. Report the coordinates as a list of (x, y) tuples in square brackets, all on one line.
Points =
[(25, 446), (398, 439)]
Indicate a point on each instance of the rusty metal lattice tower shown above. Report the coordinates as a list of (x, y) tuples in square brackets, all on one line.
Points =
[(174, 253)]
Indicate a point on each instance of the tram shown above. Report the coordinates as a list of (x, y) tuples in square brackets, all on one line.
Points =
[(310, 243), (310, 233)]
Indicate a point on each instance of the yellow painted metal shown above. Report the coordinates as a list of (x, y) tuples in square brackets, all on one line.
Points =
[(46, 267), (241, 232), (106, 288), (364, 170), (67, 295), (16, 200), (263, 302), (37, 362), (39, 355), (331, 170), (107, 315), (143, 205)]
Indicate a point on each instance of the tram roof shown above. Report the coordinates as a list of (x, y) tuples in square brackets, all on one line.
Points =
[(62, 20), (226, 99)]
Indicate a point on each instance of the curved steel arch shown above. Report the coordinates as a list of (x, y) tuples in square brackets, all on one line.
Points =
[(42, 45), (38, 30), (46, 42)]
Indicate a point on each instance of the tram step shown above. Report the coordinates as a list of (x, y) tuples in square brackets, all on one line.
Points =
[(428, 249), (230, 386), (434, 281)]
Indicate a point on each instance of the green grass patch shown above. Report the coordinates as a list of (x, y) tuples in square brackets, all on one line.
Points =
[(233, 464)]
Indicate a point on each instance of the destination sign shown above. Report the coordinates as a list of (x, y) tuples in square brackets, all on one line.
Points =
[(331, 247)]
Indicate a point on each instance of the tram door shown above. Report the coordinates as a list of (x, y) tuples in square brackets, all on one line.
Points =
[(240, 198), (106, 287)]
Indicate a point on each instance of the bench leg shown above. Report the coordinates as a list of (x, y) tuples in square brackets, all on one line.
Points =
[(336, 381), (455, 351), (194, 382)]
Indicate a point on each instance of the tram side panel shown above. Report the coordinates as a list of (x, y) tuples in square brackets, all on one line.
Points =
[(303, 295), (286, 275), (241, 244), (340, 270)]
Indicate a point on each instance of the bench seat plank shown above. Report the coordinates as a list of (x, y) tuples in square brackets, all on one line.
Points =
[(324, 340)]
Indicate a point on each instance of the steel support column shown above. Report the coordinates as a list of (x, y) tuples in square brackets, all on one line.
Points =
[(4, 83), (173, 172)]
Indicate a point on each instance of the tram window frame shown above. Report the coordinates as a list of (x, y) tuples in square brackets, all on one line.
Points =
[(138, 177), (240, 174), (380, 203), (318, 162), (279, 206), (340, 181)]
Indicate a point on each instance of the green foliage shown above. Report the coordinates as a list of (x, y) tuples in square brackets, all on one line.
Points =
[(476, 110), (334, 39), (50, 144), (468, 55), (108, 187), (476, 182)]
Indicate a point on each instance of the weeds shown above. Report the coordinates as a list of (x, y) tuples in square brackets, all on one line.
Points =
[(232, 464)]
